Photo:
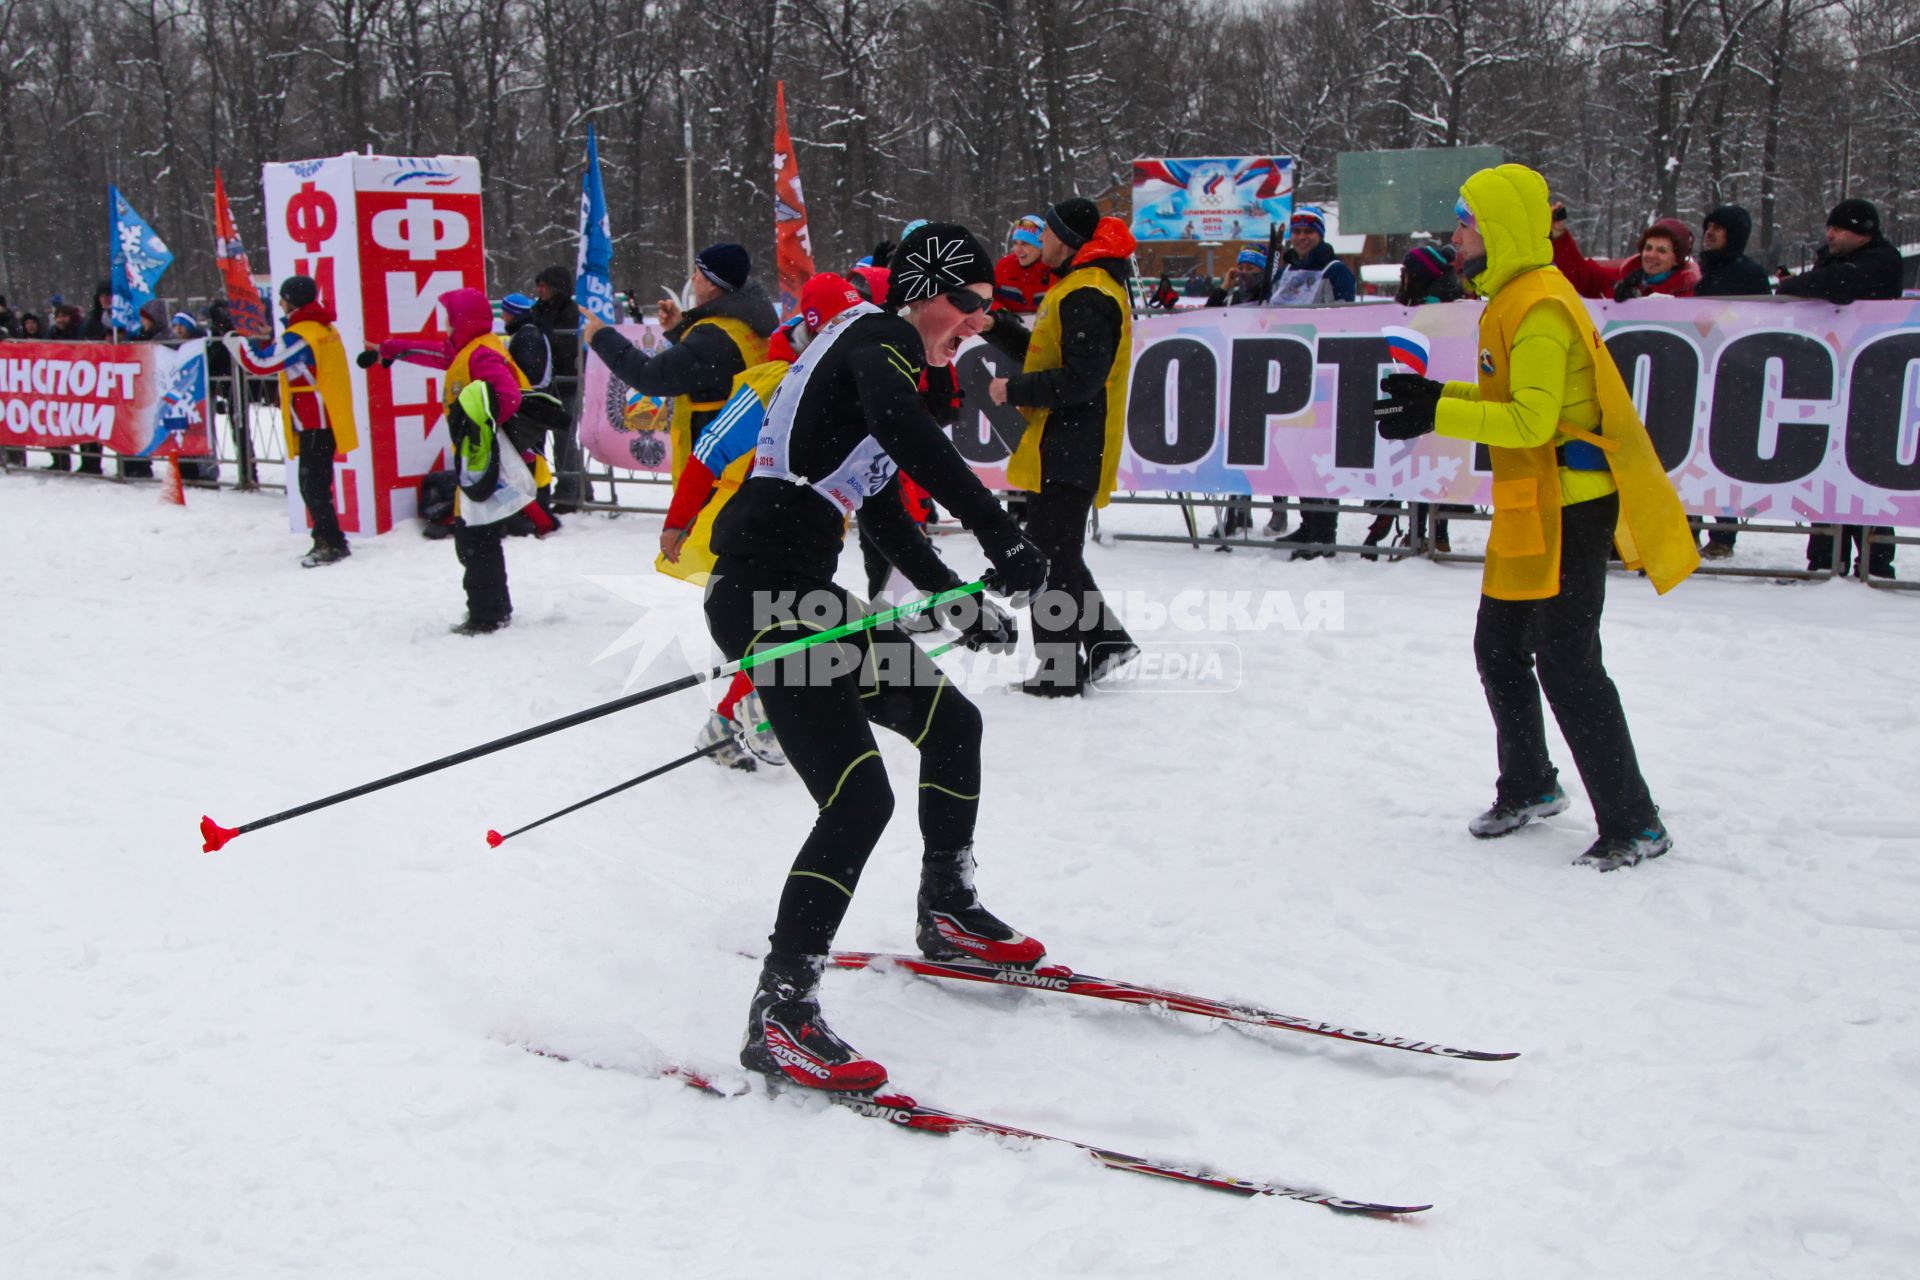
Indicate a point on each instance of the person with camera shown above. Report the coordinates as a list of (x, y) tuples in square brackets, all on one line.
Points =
[(1661, 264)]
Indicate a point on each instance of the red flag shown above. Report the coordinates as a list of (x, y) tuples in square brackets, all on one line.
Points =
[(793, 247), (243, 300)]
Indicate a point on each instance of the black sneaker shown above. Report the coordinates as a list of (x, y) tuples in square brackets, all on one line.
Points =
[(1110, 656), (1050, 681), (952, 925), (1610, 853), (324, 555), (1303, 553), (788, 1040), (1508, 816), (478, 626)]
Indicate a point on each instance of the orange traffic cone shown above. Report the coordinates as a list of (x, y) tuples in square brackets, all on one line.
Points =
[(171, 490)]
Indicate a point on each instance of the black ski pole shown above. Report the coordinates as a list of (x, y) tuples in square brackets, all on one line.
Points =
[(495, 839), (215, 836)]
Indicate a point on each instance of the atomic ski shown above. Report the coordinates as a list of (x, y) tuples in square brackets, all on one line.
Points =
[(901, 1111), (1062, 979)]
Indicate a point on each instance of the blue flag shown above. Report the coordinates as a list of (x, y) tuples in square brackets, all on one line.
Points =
[(140, 258), (593, 275)]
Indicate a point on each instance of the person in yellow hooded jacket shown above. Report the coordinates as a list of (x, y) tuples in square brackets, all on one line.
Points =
[(1574, 474)]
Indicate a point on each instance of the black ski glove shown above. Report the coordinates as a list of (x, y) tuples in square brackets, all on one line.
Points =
[(982, 624), (1019, 570), (1408, 409)]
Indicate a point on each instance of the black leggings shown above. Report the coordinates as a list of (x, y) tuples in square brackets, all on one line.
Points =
[(1559, 638), (822, 704)]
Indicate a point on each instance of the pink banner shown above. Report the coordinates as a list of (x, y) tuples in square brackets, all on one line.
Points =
[(618, 426), (1782, 409)]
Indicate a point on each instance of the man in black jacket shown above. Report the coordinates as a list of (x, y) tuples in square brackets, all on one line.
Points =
[(1725, 269), (1076, 364), (726, 332), (1857, 265), (1727, 272), (559, 317)]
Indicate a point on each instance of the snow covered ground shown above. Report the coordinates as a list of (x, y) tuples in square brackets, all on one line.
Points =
[(293, 1058)]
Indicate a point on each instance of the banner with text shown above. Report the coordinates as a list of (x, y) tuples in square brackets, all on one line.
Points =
[(1784, 410), (140, 399), (384, 237)]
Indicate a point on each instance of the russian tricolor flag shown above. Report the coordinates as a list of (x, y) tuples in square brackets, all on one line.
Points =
[(1406, 347)]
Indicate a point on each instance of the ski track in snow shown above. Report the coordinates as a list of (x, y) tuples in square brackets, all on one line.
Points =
[(293, 1058)]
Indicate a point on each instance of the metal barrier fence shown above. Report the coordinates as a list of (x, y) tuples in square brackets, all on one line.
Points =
[(249, 453)]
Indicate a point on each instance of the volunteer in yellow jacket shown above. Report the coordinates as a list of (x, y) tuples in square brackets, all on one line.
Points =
[(316, 404), (1573, 474), (1073, 391)]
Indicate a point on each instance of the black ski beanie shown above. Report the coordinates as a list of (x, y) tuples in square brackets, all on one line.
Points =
[(1858, 216), (299, 291), (937, 258), (1074, 221), (1736, 222)]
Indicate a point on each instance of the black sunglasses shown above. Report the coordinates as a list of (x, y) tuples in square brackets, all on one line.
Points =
[(966, 301)]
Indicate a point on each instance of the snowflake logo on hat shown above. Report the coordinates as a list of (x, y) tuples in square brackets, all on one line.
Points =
[(940, 258)]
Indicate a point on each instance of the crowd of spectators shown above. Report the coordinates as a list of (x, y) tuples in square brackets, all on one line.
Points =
[(1857, 263)]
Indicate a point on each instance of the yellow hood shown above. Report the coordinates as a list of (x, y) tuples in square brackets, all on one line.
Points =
[(1510, 206)]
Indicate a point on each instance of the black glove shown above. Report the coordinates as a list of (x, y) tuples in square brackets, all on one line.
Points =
[(982, 624), (1407, 411), (367, 359), (1019, 571)]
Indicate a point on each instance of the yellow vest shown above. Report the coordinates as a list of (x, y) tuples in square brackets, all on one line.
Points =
[(1523, 547), (696, 553), (753, 351), (332, 385), (459, 375), (1023, 469)]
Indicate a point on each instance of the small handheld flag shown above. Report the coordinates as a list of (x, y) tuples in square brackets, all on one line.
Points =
[(1406, 347)]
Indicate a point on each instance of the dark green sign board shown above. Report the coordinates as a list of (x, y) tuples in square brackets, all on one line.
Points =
[(1386, 193)]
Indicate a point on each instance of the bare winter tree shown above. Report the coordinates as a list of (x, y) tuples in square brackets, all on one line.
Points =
[(970, 109)]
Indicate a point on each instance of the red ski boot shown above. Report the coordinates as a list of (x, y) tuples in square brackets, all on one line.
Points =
[(954, 926), (789, 1040)]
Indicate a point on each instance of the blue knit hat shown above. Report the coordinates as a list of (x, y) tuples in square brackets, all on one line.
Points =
[(1026, 230), (1309, 217), (1252, 258), (726, 265), (516, 304)]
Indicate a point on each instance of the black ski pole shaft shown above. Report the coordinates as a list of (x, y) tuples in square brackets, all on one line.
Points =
[(214, 836), (495, 839)]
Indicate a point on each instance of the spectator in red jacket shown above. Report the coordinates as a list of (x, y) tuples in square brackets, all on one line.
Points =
[(1662, 264), (1020, 278)]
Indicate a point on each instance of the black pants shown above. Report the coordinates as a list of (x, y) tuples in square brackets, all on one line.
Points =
[(1559, 639), (1070, 618), (316, 486), (480, 552), (90, 456), (1726, 530), (1853, 539), (1319, 521), (823, 703)]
